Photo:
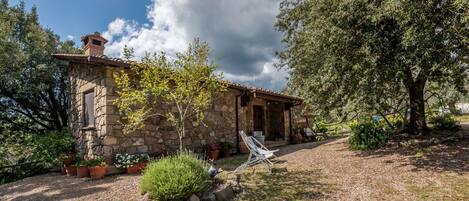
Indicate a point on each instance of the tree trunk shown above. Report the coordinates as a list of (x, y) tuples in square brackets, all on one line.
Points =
[(417, 123)]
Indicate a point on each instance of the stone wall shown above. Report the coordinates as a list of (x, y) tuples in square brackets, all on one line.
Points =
[(157, 136)]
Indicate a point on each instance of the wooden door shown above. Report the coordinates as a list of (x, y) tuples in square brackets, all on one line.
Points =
[(258, 118)]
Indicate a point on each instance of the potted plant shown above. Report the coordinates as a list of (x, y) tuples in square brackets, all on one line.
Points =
[(71, 170), (97, 167), (298, 137), (142, 161), (212, 150), (127, 161), (225, 148), (82, 168), (67, 158)]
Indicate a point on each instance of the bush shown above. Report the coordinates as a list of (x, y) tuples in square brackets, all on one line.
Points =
[(98, 161), (26, 154), (320, 127), (444, 122), (51, 145), (369, 134), (175, 177)]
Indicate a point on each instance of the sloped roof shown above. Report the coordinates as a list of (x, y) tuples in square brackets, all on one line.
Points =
[(116, 62)]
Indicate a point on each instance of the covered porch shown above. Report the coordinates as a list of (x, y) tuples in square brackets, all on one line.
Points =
[(269, 114)]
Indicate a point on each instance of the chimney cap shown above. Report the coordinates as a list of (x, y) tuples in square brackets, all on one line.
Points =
[(95, 35)]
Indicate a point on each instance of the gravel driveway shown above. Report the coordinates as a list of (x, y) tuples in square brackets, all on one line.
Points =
[(323, 170)]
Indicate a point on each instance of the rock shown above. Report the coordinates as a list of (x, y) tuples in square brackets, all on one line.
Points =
[(208, 197), (194, 198), (224, 194), (146, 197)]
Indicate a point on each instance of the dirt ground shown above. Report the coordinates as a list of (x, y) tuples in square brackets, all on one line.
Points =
[(326, 170)]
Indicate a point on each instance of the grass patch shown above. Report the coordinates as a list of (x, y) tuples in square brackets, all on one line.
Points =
[(258, 184), (445, 187)]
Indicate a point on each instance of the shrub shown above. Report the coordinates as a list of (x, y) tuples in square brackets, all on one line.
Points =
[(98, 161), (175, 177), (369, 134), (26, 154), (51, 145), (320, 127), (395, 121), (444, 122)]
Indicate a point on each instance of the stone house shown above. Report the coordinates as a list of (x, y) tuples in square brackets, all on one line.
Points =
[(94, 120)]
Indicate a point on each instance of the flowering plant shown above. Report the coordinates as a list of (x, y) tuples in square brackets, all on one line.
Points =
[(128, 160)]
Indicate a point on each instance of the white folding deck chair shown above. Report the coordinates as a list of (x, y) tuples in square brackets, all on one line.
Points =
[(258, 153)]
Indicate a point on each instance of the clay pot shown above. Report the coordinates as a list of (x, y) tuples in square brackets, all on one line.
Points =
[(243, 148), (71, 170), (298, 139), (83, 171), (97, 172), (213, 154), (133, 169), (68, 161), (141, 166)]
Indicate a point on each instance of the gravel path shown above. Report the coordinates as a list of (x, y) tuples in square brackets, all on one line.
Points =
[(438, 173)]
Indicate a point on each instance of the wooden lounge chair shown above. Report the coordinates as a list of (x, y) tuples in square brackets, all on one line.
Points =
[(258, 153)]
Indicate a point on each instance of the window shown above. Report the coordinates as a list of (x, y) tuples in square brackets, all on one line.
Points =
[(88, 107), (96, 42)]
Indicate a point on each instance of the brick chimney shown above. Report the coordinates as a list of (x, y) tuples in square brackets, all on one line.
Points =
[(94, 44)]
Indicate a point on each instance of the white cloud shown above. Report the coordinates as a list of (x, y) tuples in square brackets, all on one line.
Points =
[(240, 33), (70, 37)]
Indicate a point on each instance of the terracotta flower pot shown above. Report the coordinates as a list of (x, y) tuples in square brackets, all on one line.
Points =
[(71, 170), (213, 154), (141, 166), (83, 171), (133, 169), (298, 139), (97, 172)]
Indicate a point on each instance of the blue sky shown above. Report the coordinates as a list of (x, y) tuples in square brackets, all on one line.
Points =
[(76, 18), (241, 33)]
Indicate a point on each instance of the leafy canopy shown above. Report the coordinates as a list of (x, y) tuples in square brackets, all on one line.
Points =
[(177, 89), (33, 85), (368, 56)]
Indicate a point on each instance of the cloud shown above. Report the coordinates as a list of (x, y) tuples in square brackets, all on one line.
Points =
[(70, 37), (240, 34)]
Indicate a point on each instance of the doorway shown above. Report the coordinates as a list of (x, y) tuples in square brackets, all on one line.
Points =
[(258, 118)]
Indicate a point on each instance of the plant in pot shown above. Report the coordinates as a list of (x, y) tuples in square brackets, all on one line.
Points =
[(69, 164), (97, 167), (225, 148), (298, 137), (143, 159), (67, 158), (212, 151), (82, 168), (127, 161)]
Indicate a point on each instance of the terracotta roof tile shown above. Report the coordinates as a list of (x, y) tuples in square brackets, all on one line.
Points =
[(116, 62)]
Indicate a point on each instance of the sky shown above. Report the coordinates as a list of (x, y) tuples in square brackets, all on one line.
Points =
[(241, 33)]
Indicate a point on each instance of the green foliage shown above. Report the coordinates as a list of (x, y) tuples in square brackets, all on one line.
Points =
[(320, 127), (365, 56), (98, 161), (49, 147), (445, 122), (25, 154), (33, 85), (175, 177), (369, 134), (178, 90)]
